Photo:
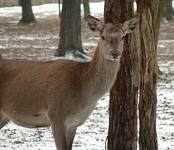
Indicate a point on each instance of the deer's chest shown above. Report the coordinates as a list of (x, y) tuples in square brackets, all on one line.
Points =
[(79, 116)]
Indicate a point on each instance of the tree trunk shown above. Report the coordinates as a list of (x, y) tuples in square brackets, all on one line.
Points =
[(27, 12), (59, 7), (168, 10), (149, 16), (158, 16), (70, 28), (122, 134), (86, 8)]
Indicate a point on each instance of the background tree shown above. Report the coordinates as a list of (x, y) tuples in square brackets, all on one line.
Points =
[(59, 7), (168, 10), (70, 28), (122, 134), (150, 13), (159, 12), (27, 12), (86, 8)]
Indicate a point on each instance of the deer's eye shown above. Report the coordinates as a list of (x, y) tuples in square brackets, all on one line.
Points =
[(102, 37)]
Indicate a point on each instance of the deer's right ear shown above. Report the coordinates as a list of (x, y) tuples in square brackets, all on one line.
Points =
[(94, 23)]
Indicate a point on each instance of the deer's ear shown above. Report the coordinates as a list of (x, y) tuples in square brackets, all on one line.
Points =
[(94, 23), (130, 25)]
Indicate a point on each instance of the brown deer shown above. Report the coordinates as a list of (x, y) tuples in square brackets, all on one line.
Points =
[(63, 93)]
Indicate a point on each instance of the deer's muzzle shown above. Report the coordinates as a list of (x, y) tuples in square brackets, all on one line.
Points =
[(115, 54)]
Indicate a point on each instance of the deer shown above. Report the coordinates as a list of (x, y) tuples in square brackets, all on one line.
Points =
[(61, 94)]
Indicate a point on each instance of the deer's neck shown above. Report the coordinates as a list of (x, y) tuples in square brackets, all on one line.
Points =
[(100, 75)]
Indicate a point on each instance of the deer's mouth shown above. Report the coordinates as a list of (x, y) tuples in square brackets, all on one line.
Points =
[(114, 54)]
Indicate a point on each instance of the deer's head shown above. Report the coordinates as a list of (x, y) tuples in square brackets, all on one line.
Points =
[(111, 35)]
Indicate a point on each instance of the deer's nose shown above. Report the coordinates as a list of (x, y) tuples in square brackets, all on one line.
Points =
[(115, 54)]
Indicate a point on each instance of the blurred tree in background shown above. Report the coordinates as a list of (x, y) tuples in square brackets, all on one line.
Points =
[(70, 28), (59, 7), (27, 12), (168, 10), (86, 8)]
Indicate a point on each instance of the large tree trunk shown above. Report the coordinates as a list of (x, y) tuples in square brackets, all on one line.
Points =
[(149, 22), (86, 8), (122, 134), (27, 12), (70, 28)]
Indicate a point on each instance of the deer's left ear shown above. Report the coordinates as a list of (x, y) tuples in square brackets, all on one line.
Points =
[(130, 25)]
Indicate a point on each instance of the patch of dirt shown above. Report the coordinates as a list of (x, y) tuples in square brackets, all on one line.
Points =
[(43, 37), (31, 40)]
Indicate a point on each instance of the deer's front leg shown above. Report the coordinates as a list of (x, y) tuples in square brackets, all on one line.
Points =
[(59, 135), (70, 137)]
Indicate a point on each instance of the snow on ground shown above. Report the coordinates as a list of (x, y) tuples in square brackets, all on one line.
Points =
[(165, 107), (92, 134), (28, 37)]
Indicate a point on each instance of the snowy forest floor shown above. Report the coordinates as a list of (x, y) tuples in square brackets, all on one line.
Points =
[(39, 42)]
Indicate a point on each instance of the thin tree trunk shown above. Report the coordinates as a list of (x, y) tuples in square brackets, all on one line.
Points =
[(70, 28), (158, 16), (86, 8), (148, 11), (27, 12), (122, 134), (168, 10), (59, 7)]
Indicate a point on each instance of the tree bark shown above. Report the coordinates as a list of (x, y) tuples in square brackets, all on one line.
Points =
[(122, 134), (86, 8), (148, 10), (70, 28), (27, 12)]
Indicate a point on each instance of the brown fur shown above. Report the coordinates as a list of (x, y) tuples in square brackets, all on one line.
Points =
[(60, 94)]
